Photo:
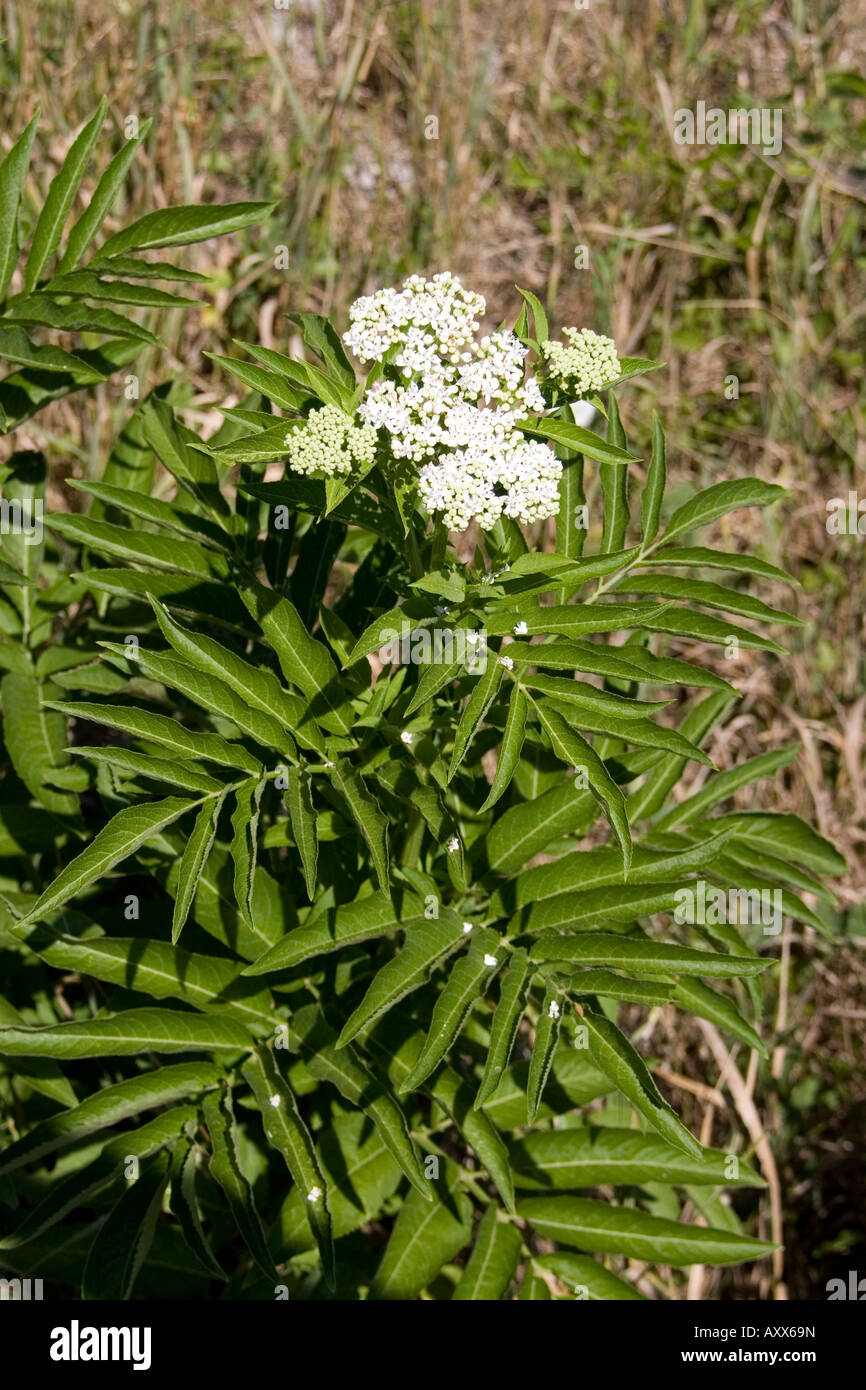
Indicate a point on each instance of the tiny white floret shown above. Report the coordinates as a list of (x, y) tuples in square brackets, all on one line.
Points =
[(406, 736), (520, 629), (467, 926), (275, 1101), (314, 1194), (453, 845), (553, 1011), (490, 960), (506, 662)]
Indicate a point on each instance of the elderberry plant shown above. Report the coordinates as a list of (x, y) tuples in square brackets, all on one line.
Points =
[(339, 873)]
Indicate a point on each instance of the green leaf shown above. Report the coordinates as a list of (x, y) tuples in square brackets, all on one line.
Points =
[(614, 1055), (630, 663), (715, 501), (123, 1241), (787, 836), (128, 1034), (512, 743), (244, 848), (575, 437), (302, 816), (178, 226), (597, 1156), (603, 948), (184, 1205), (13, 171), (481, 697), (43, 310), (711, 595), (425, 1237), (589, 1278), (654, 488), (107, 1170), (358, 1085), (539, 317), (176, 774), (506, 1021), (614, 486), (124, 833), (720, 785), (100, 203), (546, 1038), (587, 697), (286, 1132), (466, 984), (610, 1229), (225, 1168), (58, 201), (585, 870), (425, 945), (494, 1259), (140, 547), (108, 1107), (195, 853), (572, 749), (320, 337), (305, 662), (161, 729), (347, 925), (718, 559), (35, 741), (366, 814)]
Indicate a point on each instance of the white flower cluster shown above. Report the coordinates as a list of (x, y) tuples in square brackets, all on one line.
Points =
[(330, 443), (454, 409), (588, 363)]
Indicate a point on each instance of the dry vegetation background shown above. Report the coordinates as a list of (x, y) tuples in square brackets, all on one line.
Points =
[(553, 133)]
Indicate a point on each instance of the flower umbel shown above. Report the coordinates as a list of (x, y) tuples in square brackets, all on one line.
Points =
[(588, 363), (330, 443)]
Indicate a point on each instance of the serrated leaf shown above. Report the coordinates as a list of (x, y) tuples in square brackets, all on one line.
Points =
[(12, 174), (58, 201), (425, 1237), (366, 814), (589, 1279), (710, 595), (35, 740), (425, 945), (159, 728), (225, 1168), (654, 487), (195, 853), (124, 833), (287, 1133), (481, 697), (614, 485), (494, 1259), (244, 846), (178, 226), (614, 1055), (100, 203), (184, 1205), (610, 1229), (715, 501), (510, 748), (575, 437), (572, 749), (466, 984), (304, 661), (123, 1241), (128, 1034), (302, 816), (718, 559), (506, 1021), (108, 1107), (603, 948), (543, 1048), (595, 1156)]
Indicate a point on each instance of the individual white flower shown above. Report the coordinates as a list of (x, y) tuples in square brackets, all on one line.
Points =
[(330, 443), (314, 1195), (275, 1101), (490, 960), (453, 845), (507, 662), (520, 629), (588, 363), (553, 1011), (467, 927), (406, 736)]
